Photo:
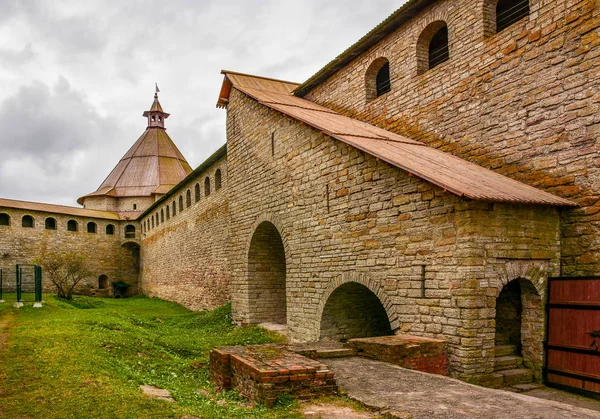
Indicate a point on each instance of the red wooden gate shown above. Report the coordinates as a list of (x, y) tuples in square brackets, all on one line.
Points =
[(573, 355)]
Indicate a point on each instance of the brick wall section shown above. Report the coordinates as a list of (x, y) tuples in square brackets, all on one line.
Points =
[(344, 216), (412, 352), (184, 258), (261, 373), (523, 102), (105, 253)]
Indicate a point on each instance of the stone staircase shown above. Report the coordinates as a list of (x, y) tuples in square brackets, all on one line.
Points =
[(509, 372)]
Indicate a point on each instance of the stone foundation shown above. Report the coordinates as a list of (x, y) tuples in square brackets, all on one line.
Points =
[(261, 373), (412, 352)]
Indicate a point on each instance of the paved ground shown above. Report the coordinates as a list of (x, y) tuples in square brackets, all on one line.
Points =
[(403, 393)]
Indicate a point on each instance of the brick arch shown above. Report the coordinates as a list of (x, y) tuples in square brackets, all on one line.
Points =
[(489, 17), (371, 76), (362, 279), (535, 272)]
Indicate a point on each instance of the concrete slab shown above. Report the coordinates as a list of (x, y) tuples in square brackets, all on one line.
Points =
[(389, 388)]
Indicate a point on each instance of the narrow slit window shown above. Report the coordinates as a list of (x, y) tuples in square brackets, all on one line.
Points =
[(168, 212), (180, 203), (188, 198), (207, 186), (218, 179), (197, 192), (382, 80), (174, 209)]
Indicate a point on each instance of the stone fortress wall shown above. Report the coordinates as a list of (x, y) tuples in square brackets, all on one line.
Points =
[(523, 102), (347, 227), (184, 240), (105, 253)]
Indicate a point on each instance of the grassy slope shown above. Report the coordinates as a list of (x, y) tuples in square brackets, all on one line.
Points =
[(87, 360)]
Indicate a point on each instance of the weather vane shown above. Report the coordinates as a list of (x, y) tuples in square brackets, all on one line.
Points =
[(156, 90)]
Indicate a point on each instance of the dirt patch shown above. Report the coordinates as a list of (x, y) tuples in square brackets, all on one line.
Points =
[(5, 322), (157, 393), (402, 392)]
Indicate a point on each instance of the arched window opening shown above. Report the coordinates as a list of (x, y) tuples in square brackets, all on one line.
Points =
[(110, 230), (72, 225), (102, 282), (377, 78), (510, 11), (168, 208), (438, 48), (174, 209), (266, 276), (353, 311), (383, 80), (152, 221), (432, 46), (157, 219), (4, 219), (207, 186), (130, 231), (188, 198), (180, 203), (197, 192), (218, 179), (27, 221), (50, 223), (91, 227), (134, 206), (162, 215)]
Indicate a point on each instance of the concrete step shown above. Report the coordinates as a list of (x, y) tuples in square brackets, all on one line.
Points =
[(509, 362), (334, 353), (516, 376), (505, 350)]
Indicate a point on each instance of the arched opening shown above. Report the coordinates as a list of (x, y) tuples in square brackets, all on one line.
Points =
[(207, 186), (188, 198), (197, 192), (353, 311), (102, 282), (72, 225), (162, 215), (50, 223), (174, 209), (510, 11), (130, 231), (377, 78), (110, 229), (91, 227), (432, 46), (266, 276), (27, 221), (519, 332), (218, 179), (168, 212), (4, 219), (180, 203), (157, 219), (152, 221)]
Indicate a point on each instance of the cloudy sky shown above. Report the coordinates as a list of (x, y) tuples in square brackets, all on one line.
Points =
[(75, 76)]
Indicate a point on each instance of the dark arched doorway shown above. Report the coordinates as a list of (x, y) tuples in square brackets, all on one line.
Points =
[(266, 276), (519, 330), (353, 311)]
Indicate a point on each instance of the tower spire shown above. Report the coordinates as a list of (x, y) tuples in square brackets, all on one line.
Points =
[(156, 116)]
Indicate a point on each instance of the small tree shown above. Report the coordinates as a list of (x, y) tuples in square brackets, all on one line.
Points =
[(65, 270)]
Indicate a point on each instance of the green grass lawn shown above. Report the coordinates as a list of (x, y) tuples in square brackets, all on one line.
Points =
[(87, 359)]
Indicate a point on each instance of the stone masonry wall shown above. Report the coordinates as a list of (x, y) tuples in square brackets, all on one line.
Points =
[(184, 256), (435, 261), (105, 253), (523, 102)]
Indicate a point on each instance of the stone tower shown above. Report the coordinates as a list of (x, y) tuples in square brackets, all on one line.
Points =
[(151, 167)]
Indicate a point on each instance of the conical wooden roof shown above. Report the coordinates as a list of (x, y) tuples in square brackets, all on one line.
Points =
[(153, 165)]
